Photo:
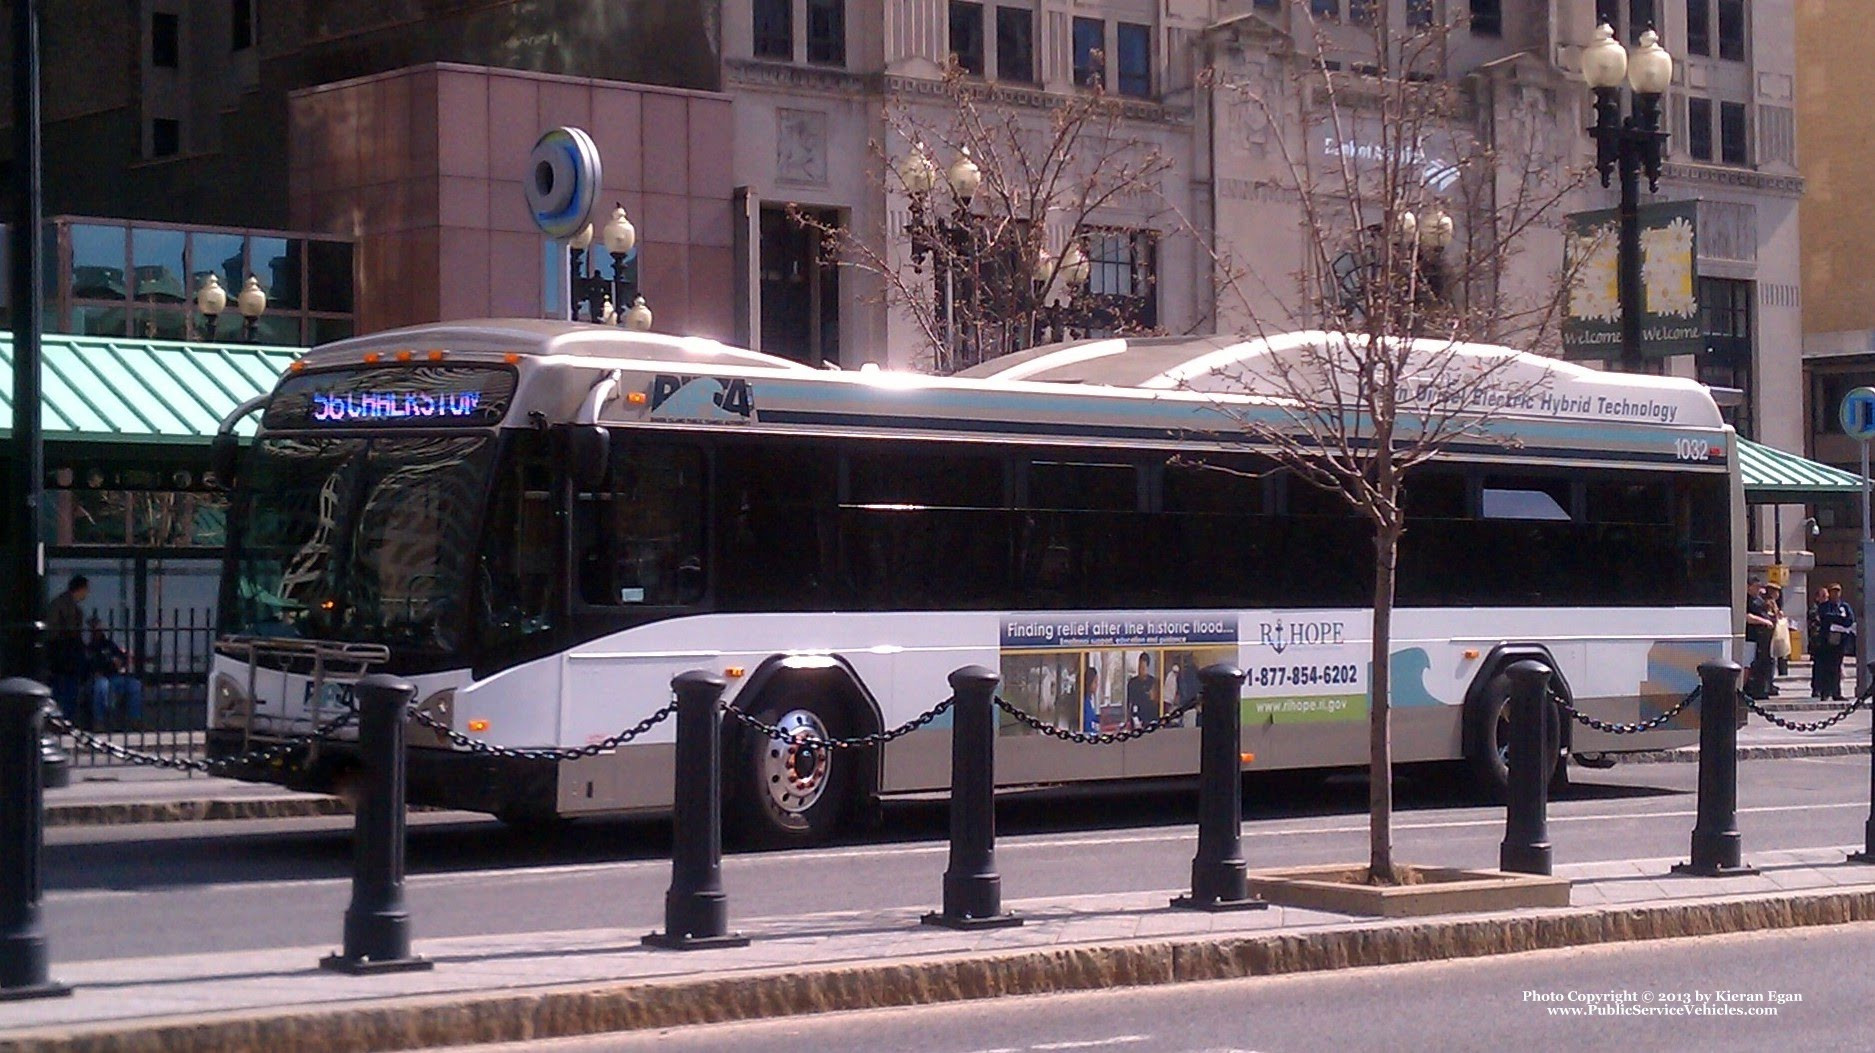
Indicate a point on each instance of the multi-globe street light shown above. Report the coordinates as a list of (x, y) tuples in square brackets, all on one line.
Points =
[(1629, 146), (601, 295)]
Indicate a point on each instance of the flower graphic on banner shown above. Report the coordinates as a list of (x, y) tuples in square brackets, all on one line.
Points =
[(1594, 288), (1667, 269)]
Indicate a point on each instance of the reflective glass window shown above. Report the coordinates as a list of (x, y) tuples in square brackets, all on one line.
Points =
[(275, 261), (156, 261), (329, 276), (98, 258)]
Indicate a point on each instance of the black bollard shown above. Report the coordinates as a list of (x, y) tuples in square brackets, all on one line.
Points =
[(23, 960), (1716, 848), (1867, 855), (973, 890), (1218, 880), (377, 925), (696, 912), (1525, 849)]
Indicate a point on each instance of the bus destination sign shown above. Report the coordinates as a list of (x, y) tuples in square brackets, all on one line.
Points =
[(401, 396)]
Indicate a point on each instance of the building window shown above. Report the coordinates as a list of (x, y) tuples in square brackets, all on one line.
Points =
[(774, 29), (1326, 10), (165, 40), (240, 25), (1419, 14), (1135, 47), (1732, 30), (1361, 12), (1725, 316), (1699, 27), (165, 137), (967, 37), (1733, 148), (1090, 46), (1121, 281), (826, 32), (1487, 18), (1699, 129), (1015, 44), (1641, 18)]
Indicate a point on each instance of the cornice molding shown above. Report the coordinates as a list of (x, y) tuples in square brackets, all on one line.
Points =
[(1741, 178)]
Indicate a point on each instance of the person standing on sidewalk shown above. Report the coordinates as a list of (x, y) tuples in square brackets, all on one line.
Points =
[(1758, 626), (65, 649), (1835, 637)]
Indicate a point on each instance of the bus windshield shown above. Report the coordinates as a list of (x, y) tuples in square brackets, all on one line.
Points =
[(356, 539)]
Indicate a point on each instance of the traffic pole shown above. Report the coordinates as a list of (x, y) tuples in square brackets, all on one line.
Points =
[(1219, 880), (1717, 851), (1526, 848), (23, 957), (696, 910), (973, 890), (377, 924)]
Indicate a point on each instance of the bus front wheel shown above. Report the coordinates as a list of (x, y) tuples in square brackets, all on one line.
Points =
[(1487, 734), (794, 791)]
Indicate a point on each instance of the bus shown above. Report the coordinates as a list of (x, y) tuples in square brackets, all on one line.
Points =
[(540, 523)]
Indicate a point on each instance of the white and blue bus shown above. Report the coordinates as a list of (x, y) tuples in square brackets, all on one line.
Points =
[(541, 523)]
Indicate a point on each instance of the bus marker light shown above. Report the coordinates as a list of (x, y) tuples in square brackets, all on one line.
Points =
[(1247, 758), (1471, 653), (435, 355), (298, 364), (478, 726), (405, 355), (374, 356), (512, 358), (637, 398), (733, 671)]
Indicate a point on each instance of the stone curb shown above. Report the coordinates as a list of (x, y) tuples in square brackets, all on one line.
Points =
[(117, 813), (1690, 754), (432, 1021)]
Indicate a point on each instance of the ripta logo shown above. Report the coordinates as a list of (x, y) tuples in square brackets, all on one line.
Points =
[(701, 398), (1279, 637)]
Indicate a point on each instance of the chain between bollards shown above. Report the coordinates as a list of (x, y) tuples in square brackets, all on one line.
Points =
[(1526, 848), (1218, 876), (1716, 849), (696, 911), (23, 957), (377, 924), (973, 890)]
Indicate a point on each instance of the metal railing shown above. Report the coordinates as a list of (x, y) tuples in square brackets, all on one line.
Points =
[(152, 698)]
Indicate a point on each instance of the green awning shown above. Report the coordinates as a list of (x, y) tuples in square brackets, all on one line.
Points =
[(1771, 476), (107, 389)]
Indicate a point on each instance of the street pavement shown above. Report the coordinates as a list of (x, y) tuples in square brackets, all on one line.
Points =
[(158, 889), (1525, 1001)]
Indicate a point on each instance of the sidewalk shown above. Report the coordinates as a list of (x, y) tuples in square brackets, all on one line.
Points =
[(111, 795), (520, 987)]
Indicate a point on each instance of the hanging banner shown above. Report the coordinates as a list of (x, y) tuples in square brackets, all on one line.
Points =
[(1669, 292)]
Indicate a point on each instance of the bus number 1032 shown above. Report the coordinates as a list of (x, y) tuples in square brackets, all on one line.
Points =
[(1692, 449)]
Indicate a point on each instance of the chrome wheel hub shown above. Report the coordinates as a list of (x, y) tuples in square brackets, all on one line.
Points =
[(794, 766)]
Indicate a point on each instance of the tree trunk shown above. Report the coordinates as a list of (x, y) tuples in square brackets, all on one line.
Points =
[(1379, 729)]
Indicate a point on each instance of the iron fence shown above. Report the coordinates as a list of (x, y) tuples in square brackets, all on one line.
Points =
[(146, 684)]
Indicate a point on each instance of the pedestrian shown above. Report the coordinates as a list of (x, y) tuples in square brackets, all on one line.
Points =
[(1140, 707), (1836, 637), (65, 648), (1780, 633), (111, 679), (1758, 627), (1819, 643)]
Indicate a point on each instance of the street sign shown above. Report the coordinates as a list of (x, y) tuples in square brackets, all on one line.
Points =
[(1858, 414)]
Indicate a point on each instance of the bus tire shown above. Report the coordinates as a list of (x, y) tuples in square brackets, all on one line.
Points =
[(1487, 730), (789, 795)]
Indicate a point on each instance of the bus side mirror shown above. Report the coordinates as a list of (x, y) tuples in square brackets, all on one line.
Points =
[(224, 454), (590, 451)]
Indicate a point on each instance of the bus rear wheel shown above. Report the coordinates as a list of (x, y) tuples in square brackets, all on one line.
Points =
[(794, 791), (1488, 735)]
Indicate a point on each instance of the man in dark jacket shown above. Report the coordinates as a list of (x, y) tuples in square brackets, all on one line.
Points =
[(1758, 627), (1834, 637), (65, 648)]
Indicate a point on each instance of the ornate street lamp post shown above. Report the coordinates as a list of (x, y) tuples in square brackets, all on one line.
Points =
[(601, 296), (1631, 146)]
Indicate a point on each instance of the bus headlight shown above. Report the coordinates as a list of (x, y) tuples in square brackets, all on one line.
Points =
[(231, 708), (439, 707)]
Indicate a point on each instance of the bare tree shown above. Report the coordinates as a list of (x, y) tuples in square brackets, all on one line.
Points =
[(1007, 190), (1413, 205)]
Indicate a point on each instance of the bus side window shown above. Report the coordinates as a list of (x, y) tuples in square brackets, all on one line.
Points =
[(520, 583), (640, 542)]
